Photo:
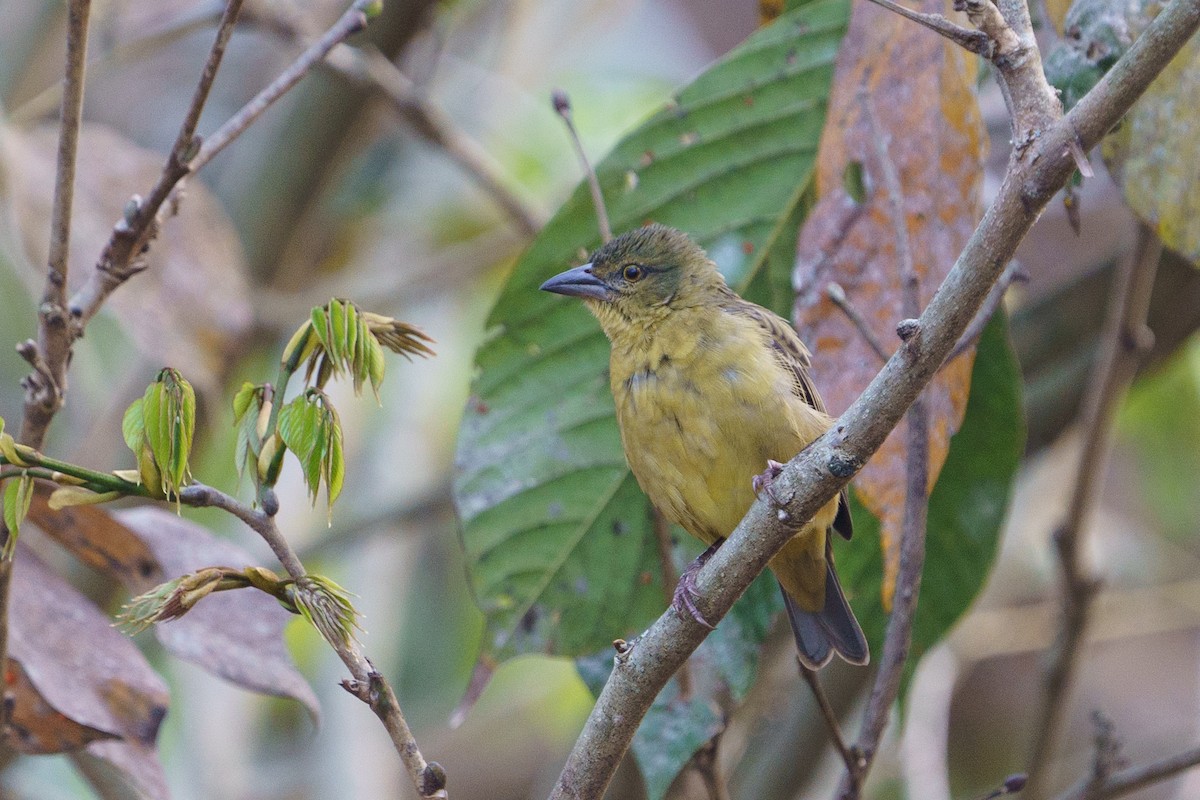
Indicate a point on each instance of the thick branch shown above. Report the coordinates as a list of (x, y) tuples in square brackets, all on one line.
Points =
[(817, 474), (1124, 340)]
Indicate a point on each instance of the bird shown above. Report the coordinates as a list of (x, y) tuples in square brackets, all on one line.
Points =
[(709, 388)]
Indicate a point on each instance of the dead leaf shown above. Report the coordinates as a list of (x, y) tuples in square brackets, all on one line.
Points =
[(236, 635), (190, 307), (99, 541), (920, 92), (80, 666), (118, 769), (35, 726)]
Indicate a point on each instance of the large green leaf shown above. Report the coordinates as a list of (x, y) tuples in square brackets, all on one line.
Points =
[(556, 532), (966, 507)]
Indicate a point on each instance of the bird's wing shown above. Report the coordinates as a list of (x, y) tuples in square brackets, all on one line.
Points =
[(790, 351)]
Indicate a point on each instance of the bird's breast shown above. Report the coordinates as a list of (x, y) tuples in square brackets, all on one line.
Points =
[(698, 421)]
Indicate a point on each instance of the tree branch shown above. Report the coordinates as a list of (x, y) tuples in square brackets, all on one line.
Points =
[(434, 125), (1124, 341), (366, 683), (1131, 779), (350, 23), (974, 41), (906, 589), (51, 355), (45, 388), (121, 257), (812, 478)]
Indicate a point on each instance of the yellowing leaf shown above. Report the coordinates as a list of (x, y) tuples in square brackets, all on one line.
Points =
[(899, 89), (1153, 154), (67, 496)]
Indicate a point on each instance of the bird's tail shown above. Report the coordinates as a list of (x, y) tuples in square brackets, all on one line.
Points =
[(833, 629)]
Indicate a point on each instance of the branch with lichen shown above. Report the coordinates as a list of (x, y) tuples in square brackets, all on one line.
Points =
[(1040, 165)]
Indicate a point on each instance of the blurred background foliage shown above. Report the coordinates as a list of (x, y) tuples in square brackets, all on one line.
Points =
[(336, 194)]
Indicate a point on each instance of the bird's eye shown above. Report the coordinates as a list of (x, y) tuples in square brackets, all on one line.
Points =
[(632, 273)]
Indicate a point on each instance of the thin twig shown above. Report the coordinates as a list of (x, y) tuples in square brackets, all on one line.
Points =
[(907, 586), (130, 237), (1013, 273), (831, 720), (366, 684), (972, 40), (434, 125), (707, 764), (45, 389), (350, 23), (46, 385), (838, 296), (1131, 779), (1124, 340), (562, 105)]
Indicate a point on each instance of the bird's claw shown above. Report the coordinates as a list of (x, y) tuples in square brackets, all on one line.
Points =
[(763, 483), (684, 601), (686, 592)]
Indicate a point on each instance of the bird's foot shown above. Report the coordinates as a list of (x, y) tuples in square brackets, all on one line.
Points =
[(686, 592), (764, 483)]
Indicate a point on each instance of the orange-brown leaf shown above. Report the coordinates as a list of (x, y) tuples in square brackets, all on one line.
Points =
[(905, 88)]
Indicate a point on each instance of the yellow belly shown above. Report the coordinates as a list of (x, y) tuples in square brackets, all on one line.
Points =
[(698, 424)]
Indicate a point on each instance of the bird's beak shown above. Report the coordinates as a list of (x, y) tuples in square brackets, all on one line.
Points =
[(579, 282)]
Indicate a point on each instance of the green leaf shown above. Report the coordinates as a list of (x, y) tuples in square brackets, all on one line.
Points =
[(854, 183), (339, 349), (311, 429), (169, 416), (18, 493), (327, 607), (1160, 423), (556, 532), (248, 396), (133, 427), (247, 410), (966, 507)]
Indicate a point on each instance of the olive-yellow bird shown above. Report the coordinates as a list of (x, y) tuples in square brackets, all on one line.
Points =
[(709, 390)]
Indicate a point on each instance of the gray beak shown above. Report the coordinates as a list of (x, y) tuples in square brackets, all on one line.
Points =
[(579, 282)]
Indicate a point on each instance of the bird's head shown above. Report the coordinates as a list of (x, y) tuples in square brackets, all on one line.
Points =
[(635, 280)]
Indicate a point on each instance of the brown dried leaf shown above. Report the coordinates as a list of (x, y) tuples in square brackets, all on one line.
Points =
[(920, 92), (236, 635), (80, 666), (121, 769), (189, 308), (35, 726)]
